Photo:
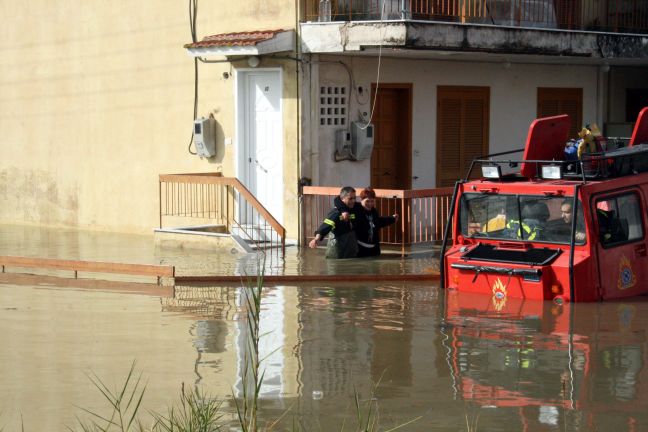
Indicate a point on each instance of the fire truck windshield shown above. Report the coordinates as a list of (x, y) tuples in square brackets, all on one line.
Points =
[(520, 217)]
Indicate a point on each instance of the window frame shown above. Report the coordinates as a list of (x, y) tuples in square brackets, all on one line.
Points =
[(615, 196), (520, 198)]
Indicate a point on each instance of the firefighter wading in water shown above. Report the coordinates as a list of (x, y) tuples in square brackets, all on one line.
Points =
[(343, 243)]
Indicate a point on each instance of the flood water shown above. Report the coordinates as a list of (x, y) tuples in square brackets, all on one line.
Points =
[(459, 362)]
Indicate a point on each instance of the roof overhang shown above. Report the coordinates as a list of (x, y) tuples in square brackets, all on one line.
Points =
[(243, 44)]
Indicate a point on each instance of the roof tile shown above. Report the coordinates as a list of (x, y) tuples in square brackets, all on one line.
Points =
[(234, 39)]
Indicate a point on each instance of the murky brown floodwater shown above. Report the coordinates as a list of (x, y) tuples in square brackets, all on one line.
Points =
[(29, 241), (460, 361)]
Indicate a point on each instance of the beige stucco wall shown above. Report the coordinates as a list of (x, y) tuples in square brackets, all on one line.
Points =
[(96, 100), (513, 105)]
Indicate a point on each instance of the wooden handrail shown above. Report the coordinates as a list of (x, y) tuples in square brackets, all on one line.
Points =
[(218, 179), (381, 193), (258, 207), (89, 266)]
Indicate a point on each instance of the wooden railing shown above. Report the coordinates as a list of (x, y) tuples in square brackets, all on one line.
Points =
[(222, 201), (76, 266), (629, 16), (423, 213)]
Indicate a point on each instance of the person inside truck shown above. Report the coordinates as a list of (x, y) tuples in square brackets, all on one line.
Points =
[(497, 222), (534, 218), (612, 229), (562, 228)]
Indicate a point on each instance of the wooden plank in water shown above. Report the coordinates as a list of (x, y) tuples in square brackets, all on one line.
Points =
[(52, 282), (274, 279), (88, 266)]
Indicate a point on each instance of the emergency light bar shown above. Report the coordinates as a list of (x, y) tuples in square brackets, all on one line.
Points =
[(491, 171), (551, 172)]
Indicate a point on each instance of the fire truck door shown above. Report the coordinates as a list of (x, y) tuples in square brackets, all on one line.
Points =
[(621, 249)]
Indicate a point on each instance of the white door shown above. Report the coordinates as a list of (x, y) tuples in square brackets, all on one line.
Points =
[(260, 130)]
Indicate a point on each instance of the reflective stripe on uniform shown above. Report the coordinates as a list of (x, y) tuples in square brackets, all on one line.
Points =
[(366, 245), (329, 222), (531, 234)]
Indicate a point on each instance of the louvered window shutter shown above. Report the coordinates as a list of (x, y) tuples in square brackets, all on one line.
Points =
[(462, 130), (556, 101)]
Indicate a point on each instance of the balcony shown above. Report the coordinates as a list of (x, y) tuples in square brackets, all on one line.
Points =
[(611, 16)]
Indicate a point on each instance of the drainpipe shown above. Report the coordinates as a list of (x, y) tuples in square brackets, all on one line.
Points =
[(405, 12), (298, 121), (313, 123)]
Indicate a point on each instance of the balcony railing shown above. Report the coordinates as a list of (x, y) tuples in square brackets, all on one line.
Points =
[(627, 16), (223, 201), (423, 213)]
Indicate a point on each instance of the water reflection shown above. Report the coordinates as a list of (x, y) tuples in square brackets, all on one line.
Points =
[(459, 360), (574, 365)]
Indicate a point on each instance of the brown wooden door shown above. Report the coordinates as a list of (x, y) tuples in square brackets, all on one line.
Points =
[(391, 160), (462, 130), (556, 101)]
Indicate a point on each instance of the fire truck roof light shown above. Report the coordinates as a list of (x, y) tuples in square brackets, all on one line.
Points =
[(491, 171), (552, 172)]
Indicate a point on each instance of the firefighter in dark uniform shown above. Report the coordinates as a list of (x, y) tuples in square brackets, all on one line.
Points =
[(343, 242), (534, 218)]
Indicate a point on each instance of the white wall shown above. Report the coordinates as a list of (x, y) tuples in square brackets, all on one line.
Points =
[(513, 105)]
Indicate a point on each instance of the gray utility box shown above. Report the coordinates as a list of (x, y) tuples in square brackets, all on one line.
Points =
[(205, 137), (362, 140)]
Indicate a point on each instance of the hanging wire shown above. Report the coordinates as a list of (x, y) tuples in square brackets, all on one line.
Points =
[(373, 105)]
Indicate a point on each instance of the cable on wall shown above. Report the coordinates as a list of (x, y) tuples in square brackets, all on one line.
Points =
[(193, 13), (382, 28)]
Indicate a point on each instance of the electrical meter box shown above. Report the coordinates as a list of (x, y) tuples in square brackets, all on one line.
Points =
[(362, 139), (342, 141), (205, 137)]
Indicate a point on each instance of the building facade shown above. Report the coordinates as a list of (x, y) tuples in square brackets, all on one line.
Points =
[(100, 101)]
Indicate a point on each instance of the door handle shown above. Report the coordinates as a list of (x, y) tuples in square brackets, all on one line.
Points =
[(386, 173), (640, 250), (260, 166)]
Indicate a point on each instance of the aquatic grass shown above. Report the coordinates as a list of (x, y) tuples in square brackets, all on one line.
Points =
[(367, 413), (196, 413), (124, 403), (472, 420)]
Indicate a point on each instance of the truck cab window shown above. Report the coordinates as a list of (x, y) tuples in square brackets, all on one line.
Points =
[(520, 217), (619, 219)]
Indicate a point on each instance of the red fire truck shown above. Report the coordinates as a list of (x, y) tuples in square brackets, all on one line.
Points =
[(548, 227)]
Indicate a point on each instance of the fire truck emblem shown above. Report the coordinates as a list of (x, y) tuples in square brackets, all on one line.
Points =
[(499, 295), (627, 278)]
